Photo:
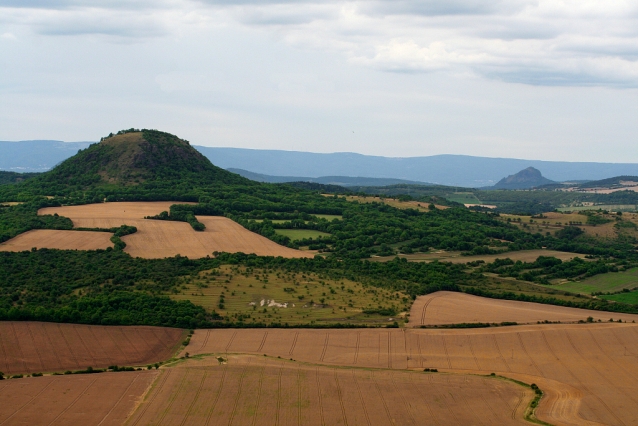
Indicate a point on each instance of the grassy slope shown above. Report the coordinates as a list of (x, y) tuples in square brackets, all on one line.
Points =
[(609, 282), (241, 286), (300, 234)]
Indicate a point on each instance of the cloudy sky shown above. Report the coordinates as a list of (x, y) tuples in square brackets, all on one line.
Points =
[(537, 79)]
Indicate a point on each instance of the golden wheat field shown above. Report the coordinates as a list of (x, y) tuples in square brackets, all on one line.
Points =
[(257, 390), (93, 399), (445, 307), (159, 238), (588, 371), (57, 239)]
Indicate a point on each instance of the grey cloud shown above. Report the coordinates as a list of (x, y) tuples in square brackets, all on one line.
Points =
[(439, 7)]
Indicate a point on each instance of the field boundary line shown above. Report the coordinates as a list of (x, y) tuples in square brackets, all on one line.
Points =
[(195, 398), (219, 391), (385, 404), (498, 348), (363, 403), (139, 355), (263, 340), (15, 335), (68, 407), (173, 397), (236, 402), (68, 347), (261, 380), (299, 417), (119, 399), (75, 329), (27, 403), (325, 347), (230, 342), (389, 349), (159, 339), (294, 343), (469, 339), (422, 398), (5, 357), (425, 307), (571, 343), (520, 341), (205, 340), (340, 396), (99, 341), (35, 344), (356, 350), (467, 404), (155, 392), (418, 347), (408, 409), (143, 340), (114, 341), (323, 421), (580, 382), (447, 355), (277, 414)]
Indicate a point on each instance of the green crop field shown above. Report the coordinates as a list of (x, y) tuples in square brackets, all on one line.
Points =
[(463, 198), (256, 295), (631, 297), (300, 234), (329, 217), (610, 207), (609, 282)]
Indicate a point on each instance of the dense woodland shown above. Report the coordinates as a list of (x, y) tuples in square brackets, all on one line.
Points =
[(110, 287)]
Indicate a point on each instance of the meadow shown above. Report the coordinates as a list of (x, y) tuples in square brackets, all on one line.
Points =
[(257, 295), (609, 282)]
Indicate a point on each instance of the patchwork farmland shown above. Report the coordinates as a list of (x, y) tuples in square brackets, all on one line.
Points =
[(158, 238)]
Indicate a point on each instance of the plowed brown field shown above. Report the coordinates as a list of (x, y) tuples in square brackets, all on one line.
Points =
[(588, 371), (55, 239), (251, 390), (88, 399), (444, 307), (32, 347), (159, 238)]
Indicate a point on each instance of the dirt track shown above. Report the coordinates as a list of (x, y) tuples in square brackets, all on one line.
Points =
[(159, 239), (255, 390), (56, 239), (589, 371), (444, 307), (35, 347), (88, 399)]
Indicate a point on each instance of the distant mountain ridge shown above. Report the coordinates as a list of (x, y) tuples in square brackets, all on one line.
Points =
[(325, 180), (453, 170), (525, 179)]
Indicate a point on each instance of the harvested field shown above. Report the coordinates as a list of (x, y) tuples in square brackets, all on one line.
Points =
[(56, 239), (417, 205), (159, 238), (588, 371), (88, 399), (455, 256), (444, 307), (37, 347), (251, 390)]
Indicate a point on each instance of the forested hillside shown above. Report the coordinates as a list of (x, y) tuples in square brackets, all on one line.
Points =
[(111, 287)]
